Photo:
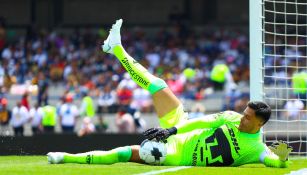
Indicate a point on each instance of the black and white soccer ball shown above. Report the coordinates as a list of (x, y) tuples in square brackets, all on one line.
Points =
[(152, 152)]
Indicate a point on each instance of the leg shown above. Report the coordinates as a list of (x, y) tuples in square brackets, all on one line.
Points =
[(135, 157), (121, 154), (164, 99)]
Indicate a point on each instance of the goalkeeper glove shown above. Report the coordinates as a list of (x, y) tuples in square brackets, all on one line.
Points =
[(159, 133), (281, 149)]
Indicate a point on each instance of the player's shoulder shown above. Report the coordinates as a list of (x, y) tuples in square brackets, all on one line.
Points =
[(231, 115), (229, 112)]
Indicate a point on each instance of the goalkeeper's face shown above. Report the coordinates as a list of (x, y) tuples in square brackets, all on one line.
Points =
[(249, 122)]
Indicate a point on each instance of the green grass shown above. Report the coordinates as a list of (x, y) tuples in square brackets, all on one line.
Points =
[(37, 165)]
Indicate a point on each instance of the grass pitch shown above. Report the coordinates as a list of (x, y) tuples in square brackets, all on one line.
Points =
[(37, 165)]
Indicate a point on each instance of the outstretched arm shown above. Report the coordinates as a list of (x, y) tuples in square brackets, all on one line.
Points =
[(210, 121), (274, 161), (276, 155)]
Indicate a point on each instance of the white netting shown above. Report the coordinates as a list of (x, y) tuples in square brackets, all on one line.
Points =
[(285, 54)]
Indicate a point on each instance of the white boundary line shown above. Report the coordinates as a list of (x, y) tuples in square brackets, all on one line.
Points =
[(165, 170), (299, 172)]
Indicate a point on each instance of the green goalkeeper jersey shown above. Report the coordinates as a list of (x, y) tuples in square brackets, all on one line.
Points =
[(215, 140)]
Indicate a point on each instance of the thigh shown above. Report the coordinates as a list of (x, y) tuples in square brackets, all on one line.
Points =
[(173, 117), (165, 101)]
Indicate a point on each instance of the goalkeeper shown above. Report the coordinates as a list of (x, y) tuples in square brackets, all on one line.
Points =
[(223, 139)]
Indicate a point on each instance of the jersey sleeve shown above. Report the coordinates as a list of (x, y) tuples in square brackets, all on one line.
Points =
[(209, 121), (269, 159), (232, 117)]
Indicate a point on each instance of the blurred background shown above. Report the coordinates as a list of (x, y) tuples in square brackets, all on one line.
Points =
[(55, 79)]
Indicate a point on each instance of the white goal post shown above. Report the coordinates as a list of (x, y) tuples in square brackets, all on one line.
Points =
[(278, 52)]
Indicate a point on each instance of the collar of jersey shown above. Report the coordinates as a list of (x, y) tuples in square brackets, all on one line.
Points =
[(257, 134)]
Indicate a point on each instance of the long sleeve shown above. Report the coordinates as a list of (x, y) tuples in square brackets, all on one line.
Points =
[(270, 159), (273, 161), (210, 121)]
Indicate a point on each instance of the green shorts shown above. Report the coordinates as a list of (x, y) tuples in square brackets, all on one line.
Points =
[(174, 117), (175, 144)]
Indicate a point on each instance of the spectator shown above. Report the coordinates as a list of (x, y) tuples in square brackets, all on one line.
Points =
[(107, 100), (2, 75), (153, 57), (40, 57), (127, 82), (5, 116), (8, 53), (20, 117), (101, 126), (25, 100), (42, 97), (293, 109), (299, 84), (220, 75), (68, 113), (140, 123), (49, 118), (230, 99), (176, 84), (241, 103), (198, 110), (141, 100), (87, 127), (36, 115), (124, 121), (87, 106), (124, 96)]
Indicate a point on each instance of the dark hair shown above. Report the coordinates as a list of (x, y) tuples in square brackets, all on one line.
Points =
[(261, 109)]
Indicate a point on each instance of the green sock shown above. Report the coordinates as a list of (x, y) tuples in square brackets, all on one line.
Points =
[(138, 73), (121, 154)]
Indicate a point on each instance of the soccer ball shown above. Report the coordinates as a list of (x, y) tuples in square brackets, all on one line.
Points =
[(152, 152)]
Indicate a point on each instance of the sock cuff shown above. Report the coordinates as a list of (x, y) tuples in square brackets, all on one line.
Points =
[(156, 85), (124, 153)]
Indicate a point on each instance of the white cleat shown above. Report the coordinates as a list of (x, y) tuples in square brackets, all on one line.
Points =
[(114, 38), (55, 157)]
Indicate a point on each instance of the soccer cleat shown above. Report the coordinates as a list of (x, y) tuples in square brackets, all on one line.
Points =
[(114, 38), (55, 157)]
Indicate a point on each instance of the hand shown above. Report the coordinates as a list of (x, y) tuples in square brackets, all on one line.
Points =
[(159, 133), (281, 149)]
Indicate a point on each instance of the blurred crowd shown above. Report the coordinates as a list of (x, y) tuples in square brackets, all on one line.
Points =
[(75, 60), (193, 63)]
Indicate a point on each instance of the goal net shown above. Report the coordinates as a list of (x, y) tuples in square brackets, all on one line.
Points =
[(284, 70)]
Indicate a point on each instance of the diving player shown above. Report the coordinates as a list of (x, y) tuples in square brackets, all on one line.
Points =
[(223, 139)]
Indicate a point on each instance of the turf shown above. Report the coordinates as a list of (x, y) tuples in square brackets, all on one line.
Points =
[(37, 165)]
